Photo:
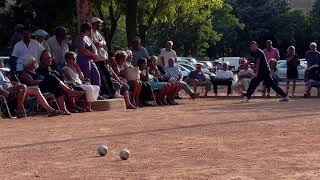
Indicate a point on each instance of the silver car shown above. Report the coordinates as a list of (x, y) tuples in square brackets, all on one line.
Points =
[(282, 69)]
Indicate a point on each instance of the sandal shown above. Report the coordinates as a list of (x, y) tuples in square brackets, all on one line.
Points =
[(67, 113), (54, 113)]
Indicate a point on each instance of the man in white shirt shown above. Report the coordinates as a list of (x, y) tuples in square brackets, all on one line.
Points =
[(59, 46), (167, 53), (106, 90), (174, 73), (223, 77), (23, 48)]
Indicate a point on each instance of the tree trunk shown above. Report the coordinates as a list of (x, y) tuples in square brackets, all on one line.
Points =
[(142, 33), (131, 19), (114, 24)]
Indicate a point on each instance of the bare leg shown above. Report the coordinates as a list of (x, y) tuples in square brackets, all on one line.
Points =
[(34, 91), (294, 82), (21, 95), (62, 105), (68, 90), (288, 86)]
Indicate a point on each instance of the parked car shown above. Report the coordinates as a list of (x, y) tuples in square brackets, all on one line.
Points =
[(184, 61), (190, 59), (185, 72), (233, 62), (207, 73), (282, 69)]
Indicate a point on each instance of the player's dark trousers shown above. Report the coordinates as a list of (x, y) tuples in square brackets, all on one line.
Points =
[(106, 83), (266, 77), (226, 83)]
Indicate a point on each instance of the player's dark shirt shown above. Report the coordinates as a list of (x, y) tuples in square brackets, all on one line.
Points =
[(264, 67)]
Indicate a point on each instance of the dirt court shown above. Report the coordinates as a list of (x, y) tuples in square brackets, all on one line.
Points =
[(199, 139)]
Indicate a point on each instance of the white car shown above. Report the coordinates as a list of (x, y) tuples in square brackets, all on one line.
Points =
[(282, 69), (233, 62)]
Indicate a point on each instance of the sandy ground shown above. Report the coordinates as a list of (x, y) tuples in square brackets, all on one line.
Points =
[(199, 139)]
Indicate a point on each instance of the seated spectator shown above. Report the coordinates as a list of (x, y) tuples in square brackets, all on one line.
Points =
[(245, 75), (163, 87), (274, 74), (23, 48), (128, 61), (119, 79), (8, 91), (197, 78), (10, 87), (313, 80), (46, 70), (49, 83), (40, 35), (174, 74), (74, 75), (223, 77), (158, 72)]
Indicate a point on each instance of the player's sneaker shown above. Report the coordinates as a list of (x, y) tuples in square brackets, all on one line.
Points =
[(244, 100), (285, 99)]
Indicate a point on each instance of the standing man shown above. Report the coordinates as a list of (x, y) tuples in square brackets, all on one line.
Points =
[(167, 53), (138, 51), (262, 74), (313, 56), (23, 48), (271, 52), (58, 45), (106, 90)]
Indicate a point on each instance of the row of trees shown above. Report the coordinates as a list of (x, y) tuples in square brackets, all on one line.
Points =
[(198, 27)]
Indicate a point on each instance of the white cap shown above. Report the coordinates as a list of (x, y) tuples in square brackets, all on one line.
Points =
[(96, 19)]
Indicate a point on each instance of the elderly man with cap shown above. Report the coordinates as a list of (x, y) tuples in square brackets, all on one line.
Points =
[(59, 46), (40, 35), (106, 90), (23, 48)]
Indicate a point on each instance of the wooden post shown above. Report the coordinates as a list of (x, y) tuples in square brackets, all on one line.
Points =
[(84, 11)]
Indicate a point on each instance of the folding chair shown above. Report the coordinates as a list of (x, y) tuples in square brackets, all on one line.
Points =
[(6, 109)]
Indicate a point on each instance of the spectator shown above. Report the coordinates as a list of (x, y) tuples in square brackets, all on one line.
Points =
[(174, 74), (313, 56), (138, 51), (292, 69), (271, 52), (223, 77), (245, 75), (197, 78), (160, 74), (40, 36), (87, 55), (49, 83), (274, 75), (163, 87), (107, 88), (46, 70), (23, 48), (313, 80), (128, 62), (17, 36), (11, 87), (167, 53), (59, 46), (119, 74), (74, 75), (9, 91)]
